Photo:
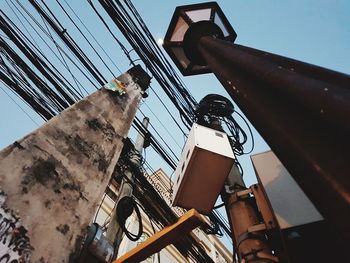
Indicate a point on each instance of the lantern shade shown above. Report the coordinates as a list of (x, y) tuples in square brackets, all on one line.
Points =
[(179, 30), (199, 15), (183, 18)]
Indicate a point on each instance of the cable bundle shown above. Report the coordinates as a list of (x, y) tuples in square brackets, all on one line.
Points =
[(213, 108), (135, 31), (34, 72)]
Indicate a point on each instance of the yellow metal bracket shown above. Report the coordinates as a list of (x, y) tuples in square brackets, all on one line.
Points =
[(164, 237)]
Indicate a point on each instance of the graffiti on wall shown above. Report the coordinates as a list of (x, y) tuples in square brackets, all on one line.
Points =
[(14, 243)]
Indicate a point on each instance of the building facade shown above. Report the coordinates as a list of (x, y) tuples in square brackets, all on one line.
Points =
[(161, 182)]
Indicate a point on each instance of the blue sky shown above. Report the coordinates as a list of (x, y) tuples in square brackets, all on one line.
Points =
[(314, 31)]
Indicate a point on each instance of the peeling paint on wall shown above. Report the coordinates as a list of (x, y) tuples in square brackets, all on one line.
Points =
[(14, 243), (55, 176)]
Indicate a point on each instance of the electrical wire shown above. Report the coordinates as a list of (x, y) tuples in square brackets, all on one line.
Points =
[(35, 46), (218, 206), (68, 40), (21, 108), (93, 37), (132, 205), (164, 127), (42, 29), (143, 45), (158, 208), (250, 132), (87, 41), (16, 73), (161, 138)]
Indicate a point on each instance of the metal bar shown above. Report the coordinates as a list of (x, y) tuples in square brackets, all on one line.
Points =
[(161, 239), (264, 207), (303, 113)]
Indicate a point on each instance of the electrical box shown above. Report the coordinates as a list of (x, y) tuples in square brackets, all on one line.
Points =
[(206, 160)]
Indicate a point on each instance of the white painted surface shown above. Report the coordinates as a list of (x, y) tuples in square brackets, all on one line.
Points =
[(212, 140), (290, 204), (206, 161)]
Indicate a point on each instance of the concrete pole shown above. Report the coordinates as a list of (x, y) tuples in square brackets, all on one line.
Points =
[(114, 232), (53, 179)]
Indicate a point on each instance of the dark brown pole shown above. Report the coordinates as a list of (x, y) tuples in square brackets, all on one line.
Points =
[(251, 246), (303, 113)]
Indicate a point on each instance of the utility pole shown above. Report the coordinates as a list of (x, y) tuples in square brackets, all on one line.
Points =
[(298, 108), (53, 179), (114, 231), (249, 240)]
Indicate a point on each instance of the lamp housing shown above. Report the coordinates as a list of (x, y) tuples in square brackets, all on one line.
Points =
[(188, 24)]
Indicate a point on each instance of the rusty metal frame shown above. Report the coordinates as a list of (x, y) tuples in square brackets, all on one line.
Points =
[(264, 207)]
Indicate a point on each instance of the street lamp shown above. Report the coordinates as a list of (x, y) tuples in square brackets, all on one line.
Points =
[(187, 25), (301, 110)]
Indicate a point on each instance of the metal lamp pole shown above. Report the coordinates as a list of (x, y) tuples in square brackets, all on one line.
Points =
[(303, 113), (251, 245), (301, 110)]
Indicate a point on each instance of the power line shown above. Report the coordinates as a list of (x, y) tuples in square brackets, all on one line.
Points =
[(92, 36), (45, 42), (19, 106), (51, 93), (165, 128), (148, 52), (83, 35)]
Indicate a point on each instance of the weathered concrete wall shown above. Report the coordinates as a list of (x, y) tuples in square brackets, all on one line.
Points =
[(53, 178)]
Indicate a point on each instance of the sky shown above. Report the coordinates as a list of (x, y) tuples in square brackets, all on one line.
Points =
[(313, 31)]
